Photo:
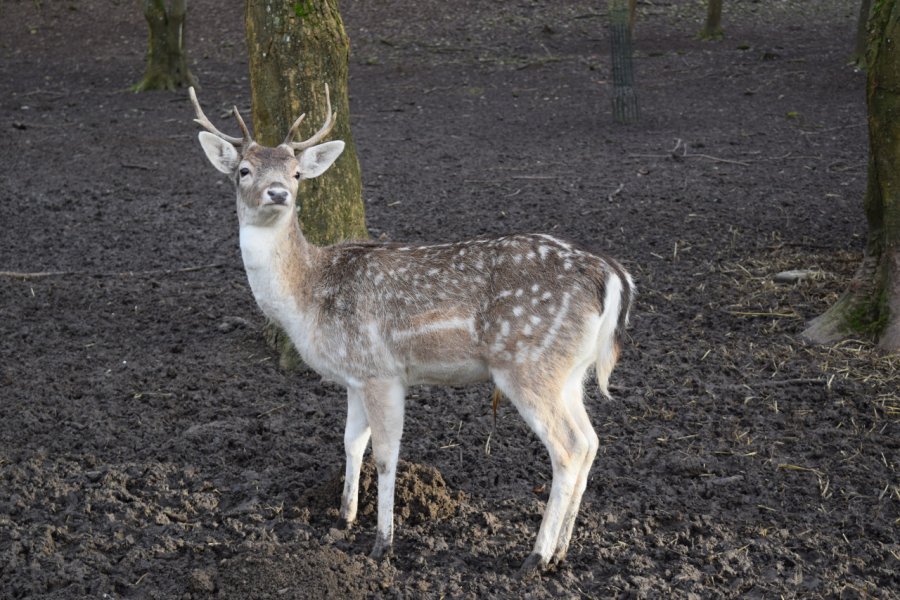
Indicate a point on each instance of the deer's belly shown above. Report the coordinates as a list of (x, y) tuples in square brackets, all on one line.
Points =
[(459, 372)]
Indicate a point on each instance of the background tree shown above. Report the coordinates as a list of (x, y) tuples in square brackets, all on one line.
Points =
[(295, 48), (871, 305), (167, 64), (713, 28), (624, 100)]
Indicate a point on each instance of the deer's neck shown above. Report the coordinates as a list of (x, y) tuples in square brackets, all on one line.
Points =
[(277, 259)]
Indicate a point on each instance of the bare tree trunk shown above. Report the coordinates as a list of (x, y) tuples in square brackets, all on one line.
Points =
[(871, 305), (713, 28), (295, 48), (167, 64), (625, 104)]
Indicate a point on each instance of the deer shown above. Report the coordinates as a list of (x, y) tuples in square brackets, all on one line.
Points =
[(530, 312)]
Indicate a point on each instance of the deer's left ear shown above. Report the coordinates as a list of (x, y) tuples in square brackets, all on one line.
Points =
[(315, 160)]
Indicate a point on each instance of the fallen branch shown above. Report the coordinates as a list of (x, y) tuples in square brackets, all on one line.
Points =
[(42, 274)]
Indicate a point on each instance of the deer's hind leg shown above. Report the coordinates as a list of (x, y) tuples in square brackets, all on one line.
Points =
[(573, 395), (541, 402)]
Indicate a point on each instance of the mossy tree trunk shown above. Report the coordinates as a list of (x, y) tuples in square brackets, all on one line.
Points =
[(713, 28), (295, 48), (871, 305), (167, 63)]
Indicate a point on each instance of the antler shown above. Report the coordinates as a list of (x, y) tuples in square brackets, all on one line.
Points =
[(206, 124), (330, 120)]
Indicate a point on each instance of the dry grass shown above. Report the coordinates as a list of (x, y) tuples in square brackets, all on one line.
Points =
[(782, 311)]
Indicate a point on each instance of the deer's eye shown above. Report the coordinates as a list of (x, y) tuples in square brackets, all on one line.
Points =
[(297, 175), (244, 172)]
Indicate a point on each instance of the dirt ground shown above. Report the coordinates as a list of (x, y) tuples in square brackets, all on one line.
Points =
[(150, 446)]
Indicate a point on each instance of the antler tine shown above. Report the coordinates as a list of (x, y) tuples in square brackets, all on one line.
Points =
[(293, 131), (330, 120), (246, 132), (206, 124)]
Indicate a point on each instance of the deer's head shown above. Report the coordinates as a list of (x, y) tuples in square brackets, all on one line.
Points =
[(265, 178)]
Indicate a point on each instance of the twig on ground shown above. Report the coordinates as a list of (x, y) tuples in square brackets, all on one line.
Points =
[(42, 274), (616, 192)]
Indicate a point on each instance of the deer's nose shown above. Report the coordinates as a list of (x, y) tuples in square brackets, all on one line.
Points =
[(277, 195)]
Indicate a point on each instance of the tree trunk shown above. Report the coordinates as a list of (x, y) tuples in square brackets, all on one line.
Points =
[(858, 58), (167, 64), (625, 104), (713, 28), (871, 305), (295, 48)]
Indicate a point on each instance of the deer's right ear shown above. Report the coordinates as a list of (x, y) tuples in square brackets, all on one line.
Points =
[(220, 153)]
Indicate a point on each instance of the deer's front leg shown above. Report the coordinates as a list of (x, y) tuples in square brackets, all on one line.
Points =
[(384, 403), (356, 437)]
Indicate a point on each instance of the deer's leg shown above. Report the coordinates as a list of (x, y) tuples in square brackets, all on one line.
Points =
[(573, 395), (384, 402), (545, 411), (356, 437)]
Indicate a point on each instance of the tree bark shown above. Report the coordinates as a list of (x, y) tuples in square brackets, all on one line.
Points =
[(713, 28), (167, 63), (871, 305), (295, 48)]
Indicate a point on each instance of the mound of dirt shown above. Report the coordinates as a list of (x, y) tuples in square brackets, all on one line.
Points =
[(421, 495)]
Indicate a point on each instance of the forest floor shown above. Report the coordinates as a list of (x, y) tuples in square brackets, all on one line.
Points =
[(150, 446)]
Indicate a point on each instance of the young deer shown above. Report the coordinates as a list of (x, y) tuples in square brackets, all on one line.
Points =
[(530, 312)]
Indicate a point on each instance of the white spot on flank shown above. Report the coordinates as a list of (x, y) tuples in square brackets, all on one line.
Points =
[(456, 323), (504, 328), (535, 288), (543, 250), (519, 292), (555, 326), (535, 320), (546, 296), (518, 310)]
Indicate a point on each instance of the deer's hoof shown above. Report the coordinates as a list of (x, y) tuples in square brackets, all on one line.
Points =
[(532, 566), (558, 557), (339, 532), (382, 549)]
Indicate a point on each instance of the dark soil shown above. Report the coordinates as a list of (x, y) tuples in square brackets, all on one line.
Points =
[(150, 447)]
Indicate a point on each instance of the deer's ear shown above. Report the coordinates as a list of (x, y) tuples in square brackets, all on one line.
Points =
[(316, 160), (220, 153)]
